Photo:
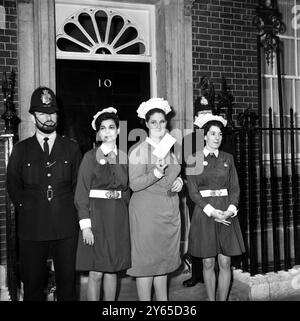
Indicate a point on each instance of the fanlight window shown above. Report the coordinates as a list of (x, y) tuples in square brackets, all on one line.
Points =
[(100, 31)]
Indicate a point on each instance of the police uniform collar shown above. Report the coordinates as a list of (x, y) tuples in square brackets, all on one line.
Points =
[(40, 137), (106, 150), (207, 152)]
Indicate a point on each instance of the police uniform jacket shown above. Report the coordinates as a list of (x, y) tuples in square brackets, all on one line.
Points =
[(42, 188)]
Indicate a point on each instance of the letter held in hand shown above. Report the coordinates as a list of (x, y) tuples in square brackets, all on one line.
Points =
[(164, 146)]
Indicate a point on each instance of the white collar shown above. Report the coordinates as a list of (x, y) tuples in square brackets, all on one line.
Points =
[(206, 152), (106, 150), (40, 137), (151, 142)]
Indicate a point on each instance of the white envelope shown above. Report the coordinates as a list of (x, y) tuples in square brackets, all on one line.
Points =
[(162, 149)]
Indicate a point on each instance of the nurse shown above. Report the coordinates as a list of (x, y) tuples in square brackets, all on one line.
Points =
[(215, 232), (154, 206), (102, 197)]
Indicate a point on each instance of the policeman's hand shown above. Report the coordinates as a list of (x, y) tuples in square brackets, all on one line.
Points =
[(88, 236), (161, 165), (177, 185)]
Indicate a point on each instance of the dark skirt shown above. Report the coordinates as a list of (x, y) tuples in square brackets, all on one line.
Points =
[(208, 238), (111, 250)]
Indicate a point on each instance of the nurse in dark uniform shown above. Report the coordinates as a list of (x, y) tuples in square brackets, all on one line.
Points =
[(102, 197), (215, 231)]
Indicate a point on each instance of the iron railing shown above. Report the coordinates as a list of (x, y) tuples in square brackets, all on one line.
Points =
[(269, 213)]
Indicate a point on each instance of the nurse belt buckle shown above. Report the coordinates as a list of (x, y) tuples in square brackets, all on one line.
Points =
[(112, 194), (49, 194)]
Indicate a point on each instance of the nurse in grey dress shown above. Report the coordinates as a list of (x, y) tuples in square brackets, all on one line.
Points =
[(154, 207)]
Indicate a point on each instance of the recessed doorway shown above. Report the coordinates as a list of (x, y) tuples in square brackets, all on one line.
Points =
[(84, 87)]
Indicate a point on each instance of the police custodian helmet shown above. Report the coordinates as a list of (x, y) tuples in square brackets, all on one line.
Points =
[(43, 100)]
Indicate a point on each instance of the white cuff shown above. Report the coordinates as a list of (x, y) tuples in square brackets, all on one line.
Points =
[(157, 173), (181, 181), (84, 223), (208, 210), (232, 208)]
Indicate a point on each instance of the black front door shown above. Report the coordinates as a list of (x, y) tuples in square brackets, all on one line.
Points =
[(84, 87)]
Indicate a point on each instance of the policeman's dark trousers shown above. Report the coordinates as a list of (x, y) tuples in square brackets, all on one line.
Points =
[(33, 265), (197, 268)]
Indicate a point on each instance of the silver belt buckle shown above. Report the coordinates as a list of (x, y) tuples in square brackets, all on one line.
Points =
[(213, 193), (109, 194), (112, 194), (49, 194)]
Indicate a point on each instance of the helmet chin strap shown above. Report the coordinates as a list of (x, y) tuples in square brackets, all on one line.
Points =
[(45, 125)]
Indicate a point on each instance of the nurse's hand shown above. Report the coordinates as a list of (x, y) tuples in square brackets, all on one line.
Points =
[(88, 236), (219, 217), (223, 222), (227, 214), (177, 185), (217, 214), (161, 165)]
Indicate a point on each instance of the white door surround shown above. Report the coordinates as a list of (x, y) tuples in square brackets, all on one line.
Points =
[(173, 52)]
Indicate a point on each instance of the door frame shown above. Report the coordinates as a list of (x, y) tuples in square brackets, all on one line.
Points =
[(36, 37)]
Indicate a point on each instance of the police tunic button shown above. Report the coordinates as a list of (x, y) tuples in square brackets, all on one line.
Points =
[(48, 163), (49, 186), (66, 162), (28, 164), (49, 174)]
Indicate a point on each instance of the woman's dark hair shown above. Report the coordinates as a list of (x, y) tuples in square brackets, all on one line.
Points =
[(153, 111), (210, 123), (106, 116)]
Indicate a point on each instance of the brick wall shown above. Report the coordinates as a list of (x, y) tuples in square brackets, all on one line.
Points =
[(8, 60), (224, 44)]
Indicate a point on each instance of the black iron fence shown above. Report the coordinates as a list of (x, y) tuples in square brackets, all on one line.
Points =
[(268, 167)]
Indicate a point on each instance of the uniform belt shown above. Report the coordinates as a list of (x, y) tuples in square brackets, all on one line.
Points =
[(213, 193), (104, 193), (50, 191)]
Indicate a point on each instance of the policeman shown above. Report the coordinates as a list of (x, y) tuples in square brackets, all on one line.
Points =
[(41, 180), (201, 105)]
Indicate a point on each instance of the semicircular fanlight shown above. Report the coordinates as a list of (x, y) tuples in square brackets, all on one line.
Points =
[(100, 31)]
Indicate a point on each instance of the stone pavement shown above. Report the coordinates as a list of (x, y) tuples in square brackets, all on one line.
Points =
[(177, 292)]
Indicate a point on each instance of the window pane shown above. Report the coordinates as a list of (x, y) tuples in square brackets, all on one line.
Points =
[(298, 58), (266, 95), (287, 97), (87, 24), (288, 57), (295, 17), (297, 107), (285, 8), (275, 96)]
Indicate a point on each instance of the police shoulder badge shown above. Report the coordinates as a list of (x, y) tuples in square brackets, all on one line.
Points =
[(46, 97)]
